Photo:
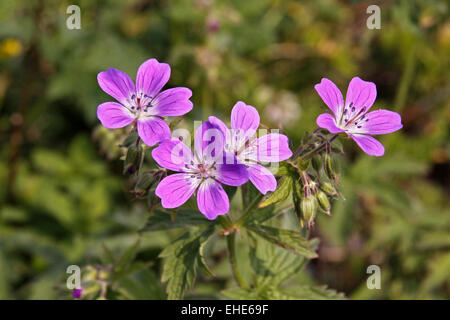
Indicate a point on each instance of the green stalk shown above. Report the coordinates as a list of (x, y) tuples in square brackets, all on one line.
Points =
[(248, 210), (231, 243), (319, 148)]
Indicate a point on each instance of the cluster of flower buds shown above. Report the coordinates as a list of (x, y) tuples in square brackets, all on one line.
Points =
[(313, 192)]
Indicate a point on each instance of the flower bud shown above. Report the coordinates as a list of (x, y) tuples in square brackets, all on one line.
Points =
[(144, 182), (328, 189), (329, 167), (316, 162), (129, 140), (323, 201), (132, 159), (309, 206)]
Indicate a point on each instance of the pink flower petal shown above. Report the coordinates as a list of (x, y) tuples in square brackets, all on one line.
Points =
[(221, 126), (331, 95), (262, 178), (152, 130), (117, 84), (209, 142), (176, 189), (378, 122), (172, 102), (326, 121), (113, 115), (212, 200), (152, 77), (273, 147), (245, 118), (230, 172), (360, 94), (172, 154), (368, 144)]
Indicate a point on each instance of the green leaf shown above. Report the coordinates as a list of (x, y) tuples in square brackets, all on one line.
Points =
[(202, 262), (271, 264), (161, 220), (182, 259), (240, 294), (141, 285), (128, 256), (280, 194), (274, 293), (108, 257), (302, 293), (288, 239)]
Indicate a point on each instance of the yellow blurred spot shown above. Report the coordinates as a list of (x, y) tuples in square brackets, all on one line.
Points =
[(10, 47)]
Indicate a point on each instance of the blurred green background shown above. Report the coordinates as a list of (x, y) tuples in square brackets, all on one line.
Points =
[(63, 196)]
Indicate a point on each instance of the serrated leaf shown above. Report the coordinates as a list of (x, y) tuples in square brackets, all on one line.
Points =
[(161, 220), (271, 264), (280, 194), (288, 239), (240, 294), (182, 258), (202, 262), (302, 293)]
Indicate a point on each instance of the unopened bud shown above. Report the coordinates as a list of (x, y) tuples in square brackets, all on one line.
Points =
[(328, 189), (329, 167), (145, 181), (309, 207), (129, 140), (323, 201), (132, 159), (316, 162)]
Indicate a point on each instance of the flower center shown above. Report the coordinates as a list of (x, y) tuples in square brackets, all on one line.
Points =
[(201, 170), (141, 104), (350, 119)]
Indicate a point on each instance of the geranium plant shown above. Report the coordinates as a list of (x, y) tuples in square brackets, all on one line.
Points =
[(242, 161)]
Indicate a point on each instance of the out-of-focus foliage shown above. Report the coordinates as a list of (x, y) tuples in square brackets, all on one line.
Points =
[(64, 203)]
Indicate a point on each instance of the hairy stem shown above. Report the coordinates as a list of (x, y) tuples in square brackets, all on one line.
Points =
[(319, 148)]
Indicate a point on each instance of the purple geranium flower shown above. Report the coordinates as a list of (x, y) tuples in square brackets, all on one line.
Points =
[(273, 147), (143, 103), (353, 117), (199, 173)]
